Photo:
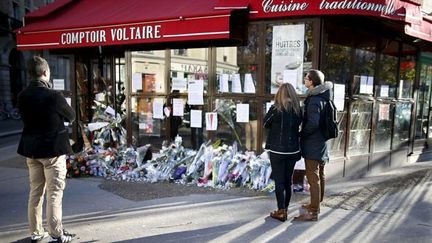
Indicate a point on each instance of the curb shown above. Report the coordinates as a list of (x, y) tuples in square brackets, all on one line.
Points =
[(10, 133)]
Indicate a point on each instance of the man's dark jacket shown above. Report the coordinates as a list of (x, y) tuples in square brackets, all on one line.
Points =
[(43, 112), (313, 144)]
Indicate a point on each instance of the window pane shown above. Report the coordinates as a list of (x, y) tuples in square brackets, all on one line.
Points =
[(407, 72), (360, 128), (237, 68), (402, 123), (388, 72), (230, 131), (383, 120), (145, 128), (288, 54), (148, 72), (424, 92), (188, 64), (60, 72)]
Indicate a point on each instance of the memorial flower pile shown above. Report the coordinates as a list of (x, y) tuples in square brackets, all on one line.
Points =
[(215, 164)]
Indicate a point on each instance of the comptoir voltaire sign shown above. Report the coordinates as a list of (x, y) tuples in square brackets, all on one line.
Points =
[(382, 8), (179, 29), (111, 35)]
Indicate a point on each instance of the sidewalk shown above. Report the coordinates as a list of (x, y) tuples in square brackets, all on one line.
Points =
[(391, 207), (10, 127)]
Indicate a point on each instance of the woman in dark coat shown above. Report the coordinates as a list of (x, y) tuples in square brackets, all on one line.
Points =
[(283, 121)]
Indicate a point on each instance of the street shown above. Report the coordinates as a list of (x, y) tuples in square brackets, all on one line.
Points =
[(390, 207)]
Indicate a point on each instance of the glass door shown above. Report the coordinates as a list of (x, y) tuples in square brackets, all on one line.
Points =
[(423, 102)]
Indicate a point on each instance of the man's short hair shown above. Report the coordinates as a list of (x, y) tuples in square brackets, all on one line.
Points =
[(36, 66), (316, 76)]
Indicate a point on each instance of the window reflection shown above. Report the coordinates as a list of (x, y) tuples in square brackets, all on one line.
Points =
[(230, 130), (148, 72), (145, 128), (360, 128), (188, 64)]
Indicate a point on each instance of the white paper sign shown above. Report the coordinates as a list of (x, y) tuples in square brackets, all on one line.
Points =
[(287, 54), (196, 92), (384, 112), (58, 84), (96, 126), (242, 112), (236, 84), (370, 84), (179, 84), (339, 96), (158, 108), (223, 83), (69, 101), (384, 92), (363, 85), (211, 121), (178, 107), (268, 105), (110, 111), (136, 82), (196, 118), (249, 86), (290, 76)]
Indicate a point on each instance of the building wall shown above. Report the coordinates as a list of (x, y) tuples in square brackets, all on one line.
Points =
[(12, 14)]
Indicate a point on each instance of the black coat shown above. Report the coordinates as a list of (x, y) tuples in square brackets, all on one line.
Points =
[(43, 112), (283, 134), (313, 144)]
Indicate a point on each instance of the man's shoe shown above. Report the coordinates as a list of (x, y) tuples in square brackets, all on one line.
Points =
[(66, 237), (309, 216), (307, 207), (280, 214), (38, 238)]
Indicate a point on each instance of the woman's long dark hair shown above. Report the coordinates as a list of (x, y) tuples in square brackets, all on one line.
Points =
[(286, 99)]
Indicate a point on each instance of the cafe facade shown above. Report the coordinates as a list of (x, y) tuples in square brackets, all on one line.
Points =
[(217, 64)]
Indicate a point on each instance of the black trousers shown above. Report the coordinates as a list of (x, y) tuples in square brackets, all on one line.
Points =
[(282, 172)]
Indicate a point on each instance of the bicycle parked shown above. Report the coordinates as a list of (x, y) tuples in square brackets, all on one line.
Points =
[(7, 111)]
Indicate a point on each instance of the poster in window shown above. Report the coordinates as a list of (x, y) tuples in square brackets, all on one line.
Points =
[(287, 54), (149, 82)]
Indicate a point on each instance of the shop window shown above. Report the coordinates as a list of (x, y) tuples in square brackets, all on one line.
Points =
[(360, 128), (383, 120), (407, 72), (60, 67), (120, 85), (387, 76), (148, 124), (288, 54), (237, 122), (83, 92), (148, 72), (192, 128), (184, 70), (180, 52), (423, 101), (240, 74), (402, 124)]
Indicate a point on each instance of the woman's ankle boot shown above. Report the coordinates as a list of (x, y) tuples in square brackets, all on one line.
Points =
[(280, 214)]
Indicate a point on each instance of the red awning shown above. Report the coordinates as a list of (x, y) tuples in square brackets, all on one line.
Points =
[(80, 23)]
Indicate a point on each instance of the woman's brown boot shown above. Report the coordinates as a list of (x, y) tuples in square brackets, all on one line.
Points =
[(280, 214)]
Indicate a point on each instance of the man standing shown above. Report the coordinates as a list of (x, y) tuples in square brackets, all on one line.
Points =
[(313, 143), (45, 143)]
